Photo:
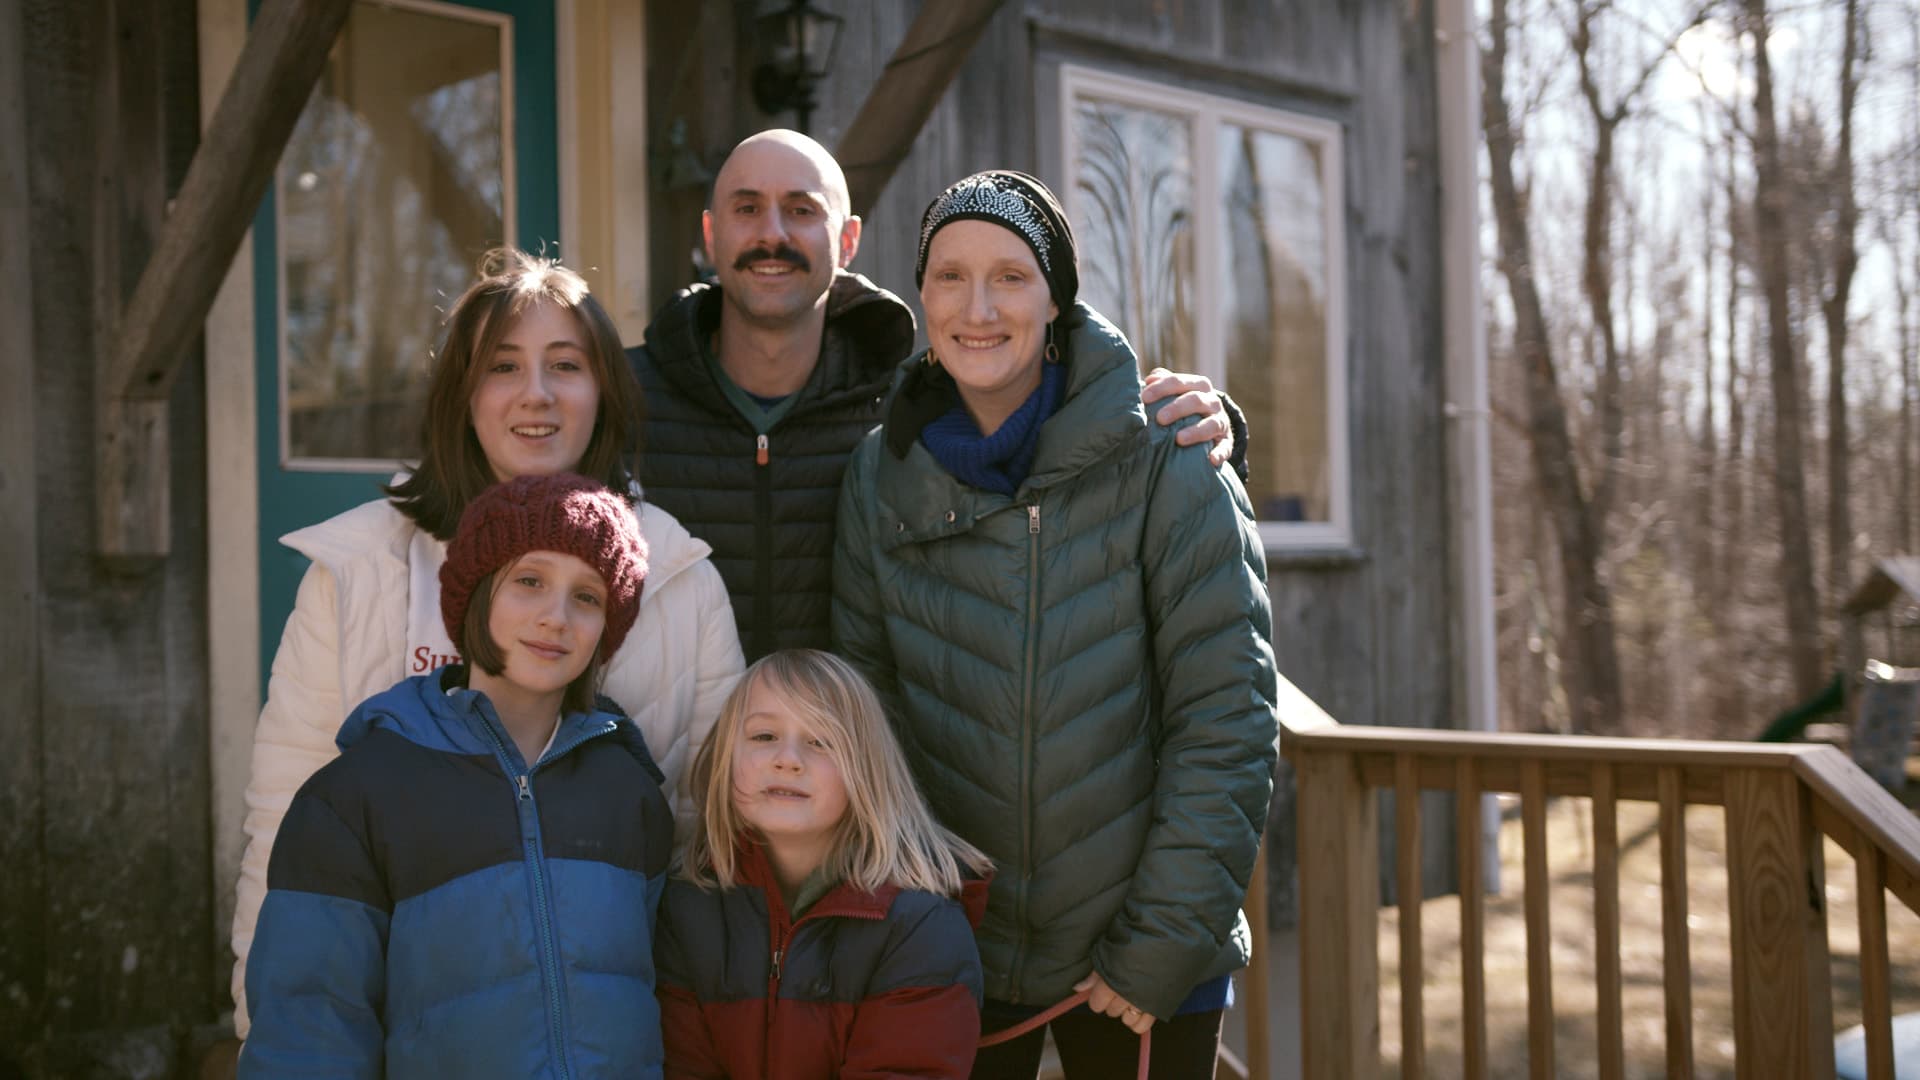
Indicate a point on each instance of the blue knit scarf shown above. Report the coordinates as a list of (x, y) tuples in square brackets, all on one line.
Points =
[(997, 462)]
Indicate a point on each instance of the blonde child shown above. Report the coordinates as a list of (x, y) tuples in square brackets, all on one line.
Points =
[(818, 929), (469, 888)]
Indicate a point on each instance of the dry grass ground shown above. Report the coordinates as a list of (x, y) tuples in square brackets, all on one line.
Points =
[(1570, 859)]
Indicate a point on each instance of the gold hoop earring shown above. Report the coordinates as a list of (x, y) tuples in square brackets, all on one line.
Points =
[(931, 359)]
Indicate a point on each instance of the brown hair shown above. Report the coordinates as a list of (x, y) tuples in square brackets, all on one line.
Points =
[(453, 468), (479, 649), (887, 834)]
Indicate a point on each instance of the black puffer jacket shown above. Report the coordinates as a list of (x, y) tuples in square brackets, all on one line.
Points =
[(771, 525)]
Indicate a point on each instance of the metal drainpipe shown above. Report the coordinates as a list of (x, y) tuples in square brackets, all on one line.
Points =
[(1457, 78)]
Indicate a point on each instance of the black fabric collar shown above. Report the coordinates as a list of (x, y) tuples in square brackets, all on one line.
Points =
[(868, 332), (925, 392)]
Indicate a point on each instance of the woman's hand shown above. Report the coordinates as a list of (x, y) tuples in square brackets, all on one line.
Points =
[(1102, 999), (1193, 395)]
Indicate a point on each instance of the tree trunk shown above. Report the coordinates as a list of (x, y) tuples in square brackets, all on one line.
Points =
[(1706, 559), (1903, 521), (1592, 673), (1834, 307), (1596, 280), (1732, 718), (1789, 454), (1596, 272)]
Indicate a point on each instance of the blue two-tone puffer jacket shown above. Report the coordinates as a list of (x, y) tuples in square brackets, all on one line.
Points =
[(437, 908)]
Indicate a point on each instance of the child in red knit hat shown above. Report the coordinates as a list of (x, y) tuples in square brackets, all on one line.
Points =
[(469, 889), (534, 541)]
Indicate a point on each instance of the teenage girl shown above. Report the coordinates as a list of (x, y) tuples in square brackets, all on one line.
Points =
[(469, 888), (529, 380), (819, 929)]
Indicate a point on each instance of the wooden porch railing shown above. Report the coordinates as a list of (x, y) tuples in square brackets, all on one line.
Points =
[(1779, 801)]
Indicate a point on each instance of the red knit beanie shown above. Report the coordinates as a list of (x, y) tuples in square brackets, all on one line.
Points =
[(563, 512)]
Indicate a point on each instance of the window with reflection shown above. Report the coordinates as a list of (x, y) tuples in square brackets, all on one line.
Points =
[(1210, 232), (1133, 221), (397, 177)]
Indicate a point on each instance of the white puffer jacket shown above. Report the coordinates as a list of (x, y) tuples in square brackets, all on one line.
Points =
[(347, 639)]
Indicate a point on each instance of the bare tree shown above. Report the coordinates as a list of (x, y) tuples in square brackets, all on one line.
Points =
[(1834, 307), (1789, 455), (1680, 461), (1892, 231), (1596, 275), (1593, 684)]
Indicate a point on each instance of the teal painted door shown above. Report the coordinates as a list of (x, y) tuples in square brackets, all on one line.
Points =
[(431, 137)]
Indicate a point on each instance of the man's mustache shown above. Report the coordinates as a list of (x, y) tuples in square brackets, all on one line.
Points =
[(783, 253)]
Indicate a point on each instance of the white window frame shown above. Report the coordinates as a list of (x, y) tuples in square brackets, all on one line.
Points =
[(509, 197), (1205, 112)]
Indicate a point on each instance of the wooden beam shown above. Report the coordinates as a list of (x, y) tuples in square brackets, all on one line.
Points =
[(1584, 751), (23, 900), (1606, 925), (1467, 810), (1876, 1003), (1539, 897), (1676, 955), (284, 55), (1776, 904), (1339, 841), (1881, 819), (912, 83), (1406, 858)]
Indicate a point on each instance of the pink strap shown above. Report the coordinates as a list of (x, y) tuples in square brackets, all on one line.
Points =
[(1048, 1016)]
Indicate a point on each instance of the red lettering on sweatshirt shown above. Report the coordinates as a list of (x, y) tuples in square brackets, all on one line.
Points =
[(425, 660)]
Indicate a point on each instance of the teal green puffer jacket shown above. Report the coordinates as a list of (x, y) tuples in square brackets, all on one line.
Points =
[(1082, 676)]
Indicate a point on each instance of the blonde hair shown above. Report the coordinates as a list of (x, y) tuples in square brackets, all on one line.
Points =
[(887, 834)]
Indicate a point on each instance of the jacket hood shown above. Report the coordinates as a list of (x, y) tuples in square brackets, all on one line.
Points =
[(436, 712), (868, 331), (1100, 415), (1100, 408)]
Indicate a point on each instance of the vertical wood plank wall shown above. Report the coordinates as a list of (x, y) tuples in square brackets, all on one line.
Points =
[(117, 894), (1367, 633), (22, 892)]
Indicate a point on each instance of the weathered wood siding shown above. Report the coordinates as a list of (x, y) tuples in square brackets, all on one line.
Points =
[(1368, 633), (107, 944), (22, 920)]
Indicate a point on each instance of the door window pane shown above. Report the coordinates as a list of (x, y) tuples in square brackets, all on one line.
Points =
[(1133, 219), (396, 179), (1274, 314)]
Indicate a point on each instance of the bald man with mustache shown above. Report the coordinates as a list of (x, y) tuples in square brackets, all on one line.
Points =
[(760, 384)]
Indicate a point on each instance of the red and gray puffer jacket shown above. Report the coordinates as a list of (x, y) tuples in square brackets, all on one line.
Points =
[(863, 985)]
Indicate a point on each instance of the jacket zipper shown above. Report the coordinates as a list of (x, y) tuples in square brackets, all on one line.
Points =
[(529, 814), (782, 928), (782, 933), (1026, 750), (762, 641)]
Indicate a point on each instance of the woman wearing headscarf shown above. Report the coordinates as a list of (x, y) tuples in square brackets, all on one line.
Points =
[(1066, 613)]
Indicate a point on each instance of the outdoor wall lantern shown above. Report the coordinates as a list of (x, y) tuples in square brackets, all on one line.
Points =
[(796, 52)]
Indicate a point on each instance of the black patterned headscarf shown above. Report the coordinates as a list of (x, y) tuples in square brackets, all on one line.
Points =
[(1021, 204)]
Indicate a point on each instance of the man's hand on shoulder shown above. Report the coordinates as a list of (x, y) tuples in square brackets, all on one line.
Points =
[(1190, 395)]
